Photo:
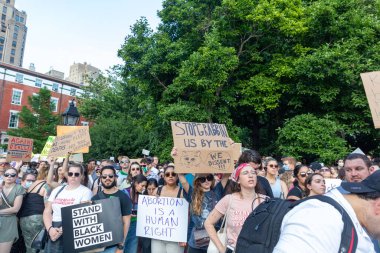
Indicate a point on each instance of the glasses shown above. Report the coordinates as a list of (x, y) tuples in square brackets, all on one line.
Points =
[(136, 168), (272, 166), (246, 172), (109, 175), (9, 174), (325, 170), (76, 174), (304, 174), (208, 178), (31, 171), (124, 162), (170, 174)]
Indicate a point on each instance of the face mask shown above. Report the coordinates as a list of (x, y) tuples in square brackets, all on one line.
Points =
[(285, 167), (145, 169), (28, 184)]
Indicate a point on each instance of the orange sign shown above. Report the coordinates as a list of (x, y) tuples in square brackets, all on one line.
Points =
[(62, 130), (19, 149)]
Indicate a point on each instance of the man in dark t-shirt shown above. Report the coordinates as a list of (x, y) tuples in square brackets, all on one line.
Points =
[(108, 180)]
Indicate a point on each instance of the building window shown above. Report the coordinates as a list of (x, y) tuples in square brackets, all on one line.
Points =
[(19, 77), (14, 43), (73, 92), (54, 87), (8, 1), (13, 119), (17, 28), (4, 9), (17, 18), (16, 97), (12, 59), (84, 123), (15, 36), (1, 56), (13, 51), (1, 48), (2, 39), (54, 104), (38, 82), (3, 17), (21, 19)]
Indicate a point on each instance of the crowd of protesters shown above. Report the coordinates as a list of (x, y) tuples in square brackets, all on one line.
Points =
[(32, 195)]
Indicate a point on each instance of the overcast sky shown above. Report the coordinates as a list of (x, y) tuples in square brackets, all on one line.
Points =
[(61, 32)]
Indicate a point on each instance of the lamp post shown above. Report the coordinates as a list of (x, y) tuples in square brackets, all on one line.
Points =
[(71, 115)]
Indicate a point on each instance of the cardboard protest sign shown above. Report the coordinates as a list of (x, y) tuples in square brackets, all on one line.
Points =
[(162, 218), (62, 130), (19, 149), (202, 148), (70, 142), (237, 151), (91, 226), (371, 82), (137, 160), (77, 158), (47, 147), (332, 183)]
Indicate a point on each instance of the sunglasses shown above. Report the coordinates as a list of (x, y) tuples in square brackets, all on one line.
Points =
[(76, 174), (136, 168), (272, 166), (124, 162), (303, 174), (325, 170), (109, 175), (10, 175), (31, 171), (208, 178), (170, 174)]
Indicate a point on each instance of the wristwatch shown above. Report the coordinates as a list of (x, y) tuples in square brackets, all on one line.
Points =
[(120, 246)]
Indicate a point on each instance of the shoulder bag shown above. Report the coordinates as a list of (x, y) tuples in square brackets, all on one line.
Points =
[(222, 233)]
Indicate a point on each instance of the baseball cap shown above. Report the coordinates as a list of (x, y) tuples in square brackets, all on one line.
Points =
[(370, 184), (315, 166)]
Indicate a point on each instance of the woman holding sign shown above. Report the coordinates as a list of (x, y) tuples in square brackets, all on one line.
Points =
[(11, 196), (170, 189), (71, 194), (235, 207)]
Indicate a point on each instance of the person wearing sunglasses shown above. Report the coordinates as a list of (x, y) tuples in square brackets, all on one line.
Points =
[(108, 180), (279, 188), (169, 189), (71, 194), (326, 172), (133, 170), (236, 207), (203, 198), (122, 174), (3, 166), (11, 197), (300, 173)]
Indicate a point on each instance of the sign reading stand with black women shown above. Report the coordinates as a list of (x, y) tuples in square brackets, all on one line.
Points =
[(91, 226)]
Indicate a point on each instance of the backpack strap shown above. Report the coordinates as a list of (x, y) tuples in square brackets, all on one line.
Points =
[(60, 190), (159, 190), (349, 237), (179, 192)]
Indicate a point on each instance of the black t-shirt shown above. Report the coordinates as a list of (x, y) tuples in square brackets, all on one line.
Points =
[(125, 201), (265, 186), (297, 191)]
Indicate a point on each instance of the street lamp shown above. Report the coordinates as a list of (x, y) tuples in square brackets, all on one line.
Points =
[(71, 115)]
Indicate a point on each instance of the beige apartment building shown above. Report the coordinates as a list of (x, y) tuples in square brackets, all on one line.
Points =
[(81, 73), (12, 34)]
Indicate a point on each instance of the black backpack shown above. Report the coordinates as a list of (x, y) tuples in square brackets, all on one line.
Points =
[(262, 228)]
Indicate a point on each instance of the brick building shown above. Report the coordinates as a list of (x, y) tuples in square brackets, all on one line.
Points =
[(17, 84)]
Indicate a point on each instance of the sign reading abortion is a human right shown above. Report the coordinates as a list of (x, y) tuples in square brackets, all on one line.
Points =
[(92, 226), (162, 218)]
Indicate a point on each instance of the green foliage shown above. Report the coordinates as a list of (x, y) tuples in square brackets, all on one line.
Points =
[(313, 138), (38, 122), (248, 64)]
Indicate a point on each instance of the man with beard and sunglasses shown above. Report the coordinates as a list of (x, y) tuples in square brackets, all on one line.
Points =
[(108, 180)]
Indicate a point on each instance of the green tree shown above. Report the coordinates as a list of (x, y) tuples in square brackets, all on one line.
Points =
[(312, 138), (38, 121)]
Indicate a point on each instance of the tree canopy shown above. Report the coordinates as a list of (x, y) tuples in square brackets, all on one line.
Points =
[(252, 65)]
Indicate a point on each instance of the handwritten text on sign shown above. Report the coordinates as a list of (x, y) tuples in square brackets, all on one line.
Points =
[(202, 147), (70, 142), (163, 218), (19, 149)]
